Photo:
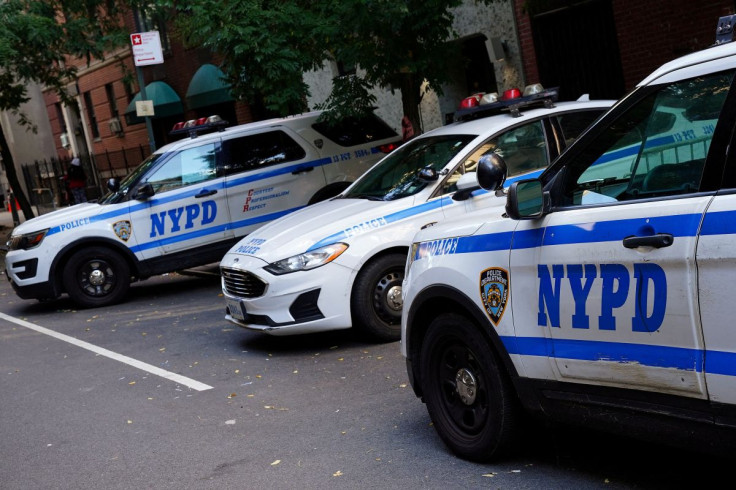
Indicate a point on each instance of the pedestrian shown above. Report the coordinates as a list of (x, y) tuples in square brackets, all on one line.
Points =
[(77, 181), (407, 129)]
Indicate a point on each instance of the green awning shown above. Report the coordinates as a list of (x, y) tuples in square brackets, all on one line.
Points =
[(165, 102), (208, 87)]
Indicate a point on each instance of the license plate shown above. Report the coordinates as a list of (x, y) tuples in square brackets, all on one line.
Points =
[(236, 309)]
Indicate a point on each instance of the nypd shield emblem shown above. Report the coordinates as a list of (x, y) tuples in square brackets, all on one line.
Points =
[(122, 229), (494, 291)]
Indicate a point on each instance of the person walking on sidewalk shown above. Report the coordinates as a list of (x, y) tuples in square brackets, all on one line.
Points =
[(77, 181)]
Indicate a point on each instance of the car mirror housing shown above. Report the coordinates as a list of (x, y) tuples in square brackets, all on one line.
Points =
[(526, 200), (491, 171), (144, 192)]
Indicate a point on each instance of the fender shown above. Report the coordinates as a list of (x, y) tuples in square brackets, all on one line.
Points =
[(61, 257), (439, 298)]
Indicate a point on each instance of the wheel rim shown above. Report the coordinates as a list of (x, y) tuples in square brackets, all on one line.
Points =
[(387, 300), (463, 395), (97, 278)]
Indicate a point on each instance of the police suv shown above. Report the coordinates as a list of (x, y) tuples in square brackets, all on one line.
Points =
[(340, 262), (603, 295), (189, 202)]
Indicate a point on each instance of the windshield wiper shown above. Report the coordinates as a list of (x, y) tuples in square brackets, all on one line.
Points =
[(365, 196)]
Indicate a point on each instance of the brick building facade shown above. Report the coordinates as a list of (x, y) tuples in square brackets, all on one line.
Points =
[(640, 37)]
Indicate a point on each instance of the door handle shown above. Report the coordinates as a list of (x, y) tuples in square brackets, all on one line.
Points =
[(302, 170), (659, 240), (205, 193)]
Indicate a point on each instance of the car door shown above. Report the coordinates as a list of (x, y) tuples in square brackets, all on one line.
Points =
[(188, 207), (606, 285), (270, 173)]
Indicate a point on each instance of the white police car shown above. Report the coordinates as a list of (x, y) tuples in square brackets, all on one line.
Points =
[(340, 263), (603, 297), (189, 202)]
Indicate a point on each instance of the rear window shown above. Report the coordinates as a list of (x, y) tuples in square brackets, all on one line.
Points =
[(355, 131)]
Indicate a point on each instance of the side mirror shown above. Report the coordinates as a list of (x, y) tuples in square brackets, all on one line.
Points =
[(144, 192), (428, 174), (466, 184), (113, 184), (526, 200), (491, 172)]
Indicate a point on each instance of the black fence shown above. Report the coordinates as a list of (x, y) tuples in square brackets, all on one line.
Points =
[(47, 186)]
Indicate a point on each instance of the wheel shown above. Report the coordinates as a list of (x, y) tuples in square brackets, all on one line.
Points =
[(469, 399), (96, 276), (376, 300)]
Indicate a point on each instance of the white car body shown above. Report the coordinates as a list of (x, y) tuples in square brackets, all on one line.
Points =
[(369, 228), (187, 204), (602, 297)]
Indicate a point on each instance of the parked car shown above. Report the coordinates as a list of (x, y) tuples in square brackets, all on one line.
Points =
[(602, 296), (189, 202), (341, 262)]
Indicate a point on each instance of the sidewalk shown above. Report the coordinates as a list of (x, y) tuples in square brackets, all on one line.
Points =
[(6, 226)]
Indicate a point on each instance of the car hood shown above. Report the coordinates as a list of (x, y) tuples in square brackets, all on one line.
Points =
[(323, 223), (56, 220)]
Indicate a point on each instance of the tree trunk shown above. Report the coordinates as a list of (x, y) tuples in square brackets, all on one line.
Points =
[(410, 86), (12, 176)]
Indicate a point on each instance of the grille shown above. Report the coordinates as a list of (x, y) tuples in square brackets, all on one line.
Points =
[(242, 284)]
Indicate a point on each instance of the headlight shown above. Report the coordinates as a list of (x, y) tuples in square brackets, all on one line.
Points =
[(29, 240), (308, 260)]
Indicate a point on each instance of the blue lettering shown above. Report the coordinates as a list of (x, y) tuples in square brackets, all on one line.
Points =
[(157, 223), (209, 212), (175, 215), (612, 274), (192, 212), (548, 296), (580, 292), (645, 274)]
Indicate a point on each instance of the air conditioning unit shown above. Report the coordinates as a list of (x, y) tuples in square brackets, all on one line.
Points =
[(115, 126), (64, 138)]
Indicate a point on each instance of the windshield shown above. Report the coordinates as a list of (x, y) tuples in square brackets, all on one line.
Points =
[(397, 175), (130, 180)]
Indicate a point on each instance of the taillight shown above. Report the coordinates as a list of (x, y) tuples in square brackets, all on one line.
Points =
[(388, 147)]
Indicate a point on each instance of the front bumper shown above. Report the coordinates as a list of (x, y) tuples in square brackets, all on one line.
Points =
[(22, 270), (301, 302)]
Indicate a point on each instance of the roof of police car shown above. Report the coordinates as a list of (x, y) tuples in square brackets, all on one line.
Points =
[(279, 121), (492, 124), (708, 54)]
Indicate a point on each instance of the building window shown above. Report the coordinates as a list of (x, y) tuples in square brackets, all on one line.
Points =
[(111, 100), (60, 116), (91, 115)]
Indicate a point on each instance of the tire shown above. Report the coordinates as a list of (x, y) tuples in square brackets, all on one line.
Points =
[(470, 400), (376, 301), (96, 276)]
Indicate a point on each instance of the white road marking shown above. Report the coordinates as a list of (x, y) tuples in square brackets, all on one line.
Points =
[(177, 378)]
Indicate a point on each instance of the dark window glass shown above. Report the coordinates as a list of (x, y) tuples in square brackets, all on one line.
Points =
[(656, 148), (575, 123), (260, 150), (91, 115), (111, 100), (354, 131)]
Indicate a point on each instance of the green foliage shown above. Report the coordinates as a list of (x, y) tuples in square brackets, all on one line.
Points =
[(39, 35), (267, 45)]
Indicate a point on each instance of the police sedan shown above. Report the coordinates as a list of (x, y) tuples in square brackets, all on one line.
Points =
[(340, 263)]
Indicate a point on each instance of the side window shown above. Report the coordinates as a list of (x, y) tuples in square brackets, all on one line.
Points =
[(260, 150), (524, 149), (186, 167), (574, 123), (355, 131), (657, 148)]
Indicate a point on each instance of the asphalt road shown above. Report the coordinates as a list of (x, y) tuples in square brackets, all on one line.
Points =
[(160, 392)]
